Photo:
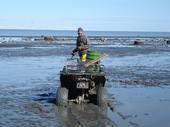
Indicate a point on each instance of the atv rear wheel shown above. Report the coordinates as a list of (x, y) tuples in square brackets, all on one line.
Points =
[(101, 96), (62, 96)]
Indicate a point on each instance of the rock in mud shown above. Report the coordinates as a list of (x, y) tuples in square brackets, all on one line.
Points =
[(139, 42), (168, 42)]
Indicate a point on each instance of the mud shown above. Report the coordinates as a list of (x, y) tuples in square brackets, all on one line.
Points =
[(138, 87), (88, 115)]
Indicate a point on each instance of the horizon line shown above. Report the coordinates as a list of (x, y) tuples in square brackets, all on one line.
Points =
[(85, 30)]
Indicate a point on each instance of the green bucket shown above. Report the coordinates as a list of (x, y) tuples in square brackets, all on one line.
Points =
[(92, 55)]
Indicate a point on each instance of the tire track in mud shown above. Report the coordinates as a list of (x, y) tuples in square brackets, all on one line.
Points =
[(86, 115), (78, 115)]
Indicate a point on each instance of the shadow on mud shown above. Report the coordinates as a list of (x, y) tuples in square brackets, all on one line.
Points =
[(48, 97)]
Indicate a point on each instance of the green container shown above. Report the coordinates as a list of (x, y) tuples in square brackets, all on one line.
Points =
[(92, 55)]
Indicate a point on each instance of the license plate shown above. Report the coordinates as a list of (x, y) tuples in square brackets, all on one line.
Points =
[(82, 85)]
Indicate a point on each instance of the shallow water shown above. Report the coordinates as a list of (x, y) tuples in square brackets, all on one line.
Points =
[(146, 107), (137, 83)]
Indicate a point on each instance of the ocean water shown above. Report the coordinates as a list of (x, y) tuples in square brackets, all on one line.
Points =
[(15, 32)]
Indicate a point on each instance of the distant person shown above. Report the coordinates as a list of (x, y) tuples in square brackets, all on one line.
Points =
[(82, 44)]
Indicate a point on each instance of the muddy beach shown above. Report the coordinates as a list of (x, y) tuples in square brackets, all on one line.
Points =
[(138, 86)]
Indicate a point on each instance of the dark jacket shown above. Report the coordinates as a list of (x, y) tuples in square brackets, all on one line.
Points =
[(82, 44)]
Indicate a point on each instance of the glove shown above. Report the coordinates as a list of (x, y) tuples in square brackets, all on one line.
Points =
[(73, 54)]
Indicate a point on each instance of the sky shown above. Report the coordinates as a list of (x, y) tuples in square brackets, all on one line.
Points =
[(102, 15)]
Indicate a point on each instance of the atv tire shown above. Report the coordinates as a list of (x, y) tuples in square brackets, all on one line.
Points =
[(62, 96), (101, 97)]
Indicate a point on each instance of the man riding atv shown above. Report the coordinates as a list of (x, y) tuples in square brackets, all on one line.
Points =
[(82, 44), (82, 81)]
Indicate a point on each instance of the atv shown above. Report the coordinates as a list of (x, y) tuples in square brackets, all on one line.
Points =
[(82, 82)]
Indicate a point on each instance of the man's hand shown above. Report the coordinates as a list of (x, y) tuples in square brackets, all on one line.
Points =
[(73, 54), (80, 48)]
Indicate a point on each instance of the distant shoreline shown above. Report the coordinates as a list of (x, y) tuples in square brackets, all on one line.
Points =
[(97, 37), (26, 29), (73, 33)]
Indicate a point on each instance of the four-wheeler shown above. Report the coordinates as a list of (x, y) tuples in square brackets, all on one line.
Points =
[(82, 81)]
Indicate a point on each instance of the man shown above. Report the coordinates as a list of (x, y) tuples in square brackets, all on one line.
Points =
[(81, 45)]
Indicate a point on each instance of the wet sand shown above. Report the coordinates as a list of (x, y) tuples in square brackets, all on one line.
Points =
[(138, 87)]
